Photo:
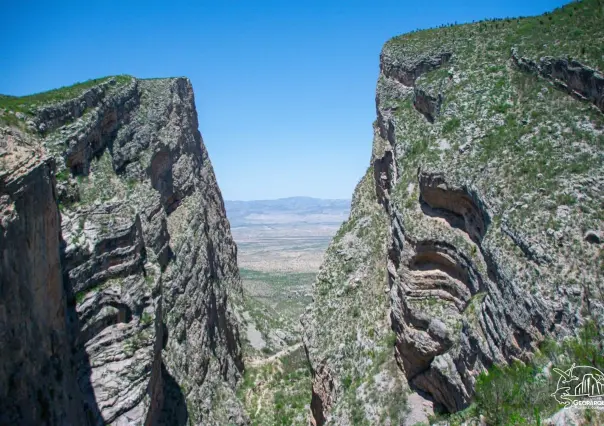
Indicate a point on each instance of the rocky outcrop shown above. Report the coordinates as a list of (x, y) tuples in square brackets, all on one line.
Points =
[(322, 395), (477, 220), (407, 70), (105, 242), (569, 75), (427, 104), (453, 310), (49, 117), (99, 112), (147, 258), (460, 207)]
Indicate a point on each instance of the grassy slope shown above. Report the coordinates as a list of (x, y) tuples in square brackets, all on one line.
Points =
[(285, 292), (574, 30), (275, 301), (348, 325), (277, 393), (27, 103)]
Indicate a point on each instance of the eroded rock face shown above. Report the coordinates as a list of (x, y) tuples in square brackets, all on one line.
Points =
[(488, 183), (407, 70), (147, 257), (456, 314), (570, 75), (429, 105), (322, 395), (38, 381), (459, 295), (48, 118)]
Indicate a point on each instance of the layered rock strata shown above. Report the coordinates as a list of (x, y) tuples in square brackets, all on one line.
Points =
[(142, 257), (488, 184)]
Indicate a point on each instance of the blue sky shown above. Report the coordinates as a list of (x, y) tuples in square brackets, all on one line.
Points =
[(285, 90)]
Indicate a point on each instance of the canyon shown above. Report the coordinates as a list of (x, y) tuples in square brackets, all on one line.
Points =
[(473, 242)]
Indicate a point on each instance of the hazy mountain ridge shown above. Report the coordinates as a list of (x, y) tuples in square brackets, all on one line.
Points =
[(287, 211)]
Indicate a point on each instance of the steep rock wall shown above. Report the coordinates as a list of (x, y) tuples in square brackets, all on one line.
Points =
[(36, 373), (490, 180), (147, 255)]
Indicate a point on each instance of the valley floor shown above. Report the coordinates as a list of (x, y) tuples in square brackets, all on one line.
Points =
[(278, 265)]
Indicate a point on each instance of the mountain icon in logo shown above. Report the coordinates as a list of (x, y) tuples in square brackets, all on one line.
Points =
[(579, 382)]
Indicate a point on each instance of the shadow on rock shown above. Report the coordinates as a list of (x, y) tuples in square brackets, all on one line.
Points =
[(175, 408)]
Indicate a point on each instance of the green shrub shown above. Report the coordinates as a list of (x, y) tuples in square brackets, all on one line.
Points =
[(358, 414), (521, 394), (515, 394), (501, 108), (451, 125), (347, 382), (146, 318), (63, 175), (391, 339)]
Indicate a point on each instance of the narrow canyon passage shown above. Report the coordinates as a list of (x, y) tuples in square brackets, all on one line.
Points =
[(281, 244), (448, 268)]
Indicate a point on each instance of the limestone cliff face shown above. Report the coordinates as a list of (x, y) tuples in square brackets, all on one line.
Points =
[(147, 261), (36, 371), (487, 170)]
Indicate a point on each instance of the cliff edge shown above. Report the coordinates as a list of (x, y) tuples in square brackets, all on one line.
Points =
[(117, 260)]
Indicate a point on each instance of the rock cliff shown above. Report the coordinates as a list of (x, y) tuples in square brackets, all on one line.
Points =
[(121, 301), (37, 374), (476, 232)]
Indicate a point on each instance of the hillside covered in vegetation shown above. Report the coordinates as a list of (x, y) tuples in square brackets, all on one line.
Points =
[(476, 233)]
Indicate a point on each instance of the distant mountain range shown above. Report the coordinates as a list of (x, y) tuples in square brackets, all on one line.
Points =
[(292, 210)]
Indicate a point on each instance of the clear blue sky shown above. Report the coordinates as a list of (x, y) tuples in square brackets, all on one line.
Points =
[(285, 90)]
